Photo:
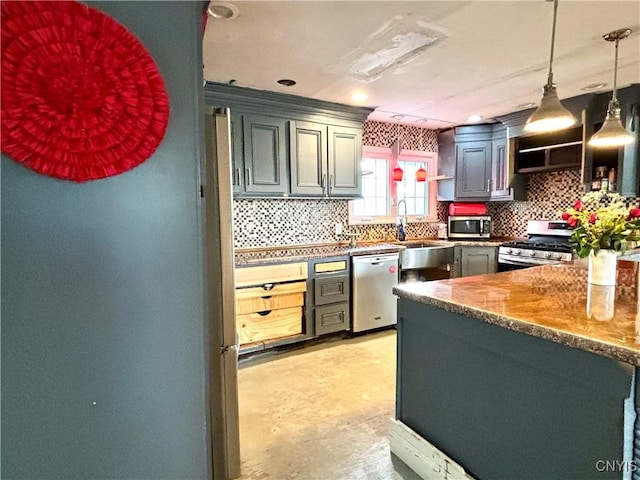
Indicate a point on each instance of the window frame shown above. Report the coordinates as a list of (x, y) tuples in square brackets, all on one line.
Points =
[(430, 159)]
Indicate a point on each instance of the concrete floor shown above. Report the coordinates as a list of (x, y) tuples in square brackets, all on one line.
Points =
[(321, 412)]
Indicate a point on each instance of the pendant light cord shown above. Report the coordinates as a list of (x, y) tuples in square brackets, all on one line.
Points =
[(553, 42), (615, 73)]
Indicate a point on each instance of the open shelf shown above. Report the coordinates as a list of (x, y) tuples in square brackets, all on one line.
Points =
[(549, 151)]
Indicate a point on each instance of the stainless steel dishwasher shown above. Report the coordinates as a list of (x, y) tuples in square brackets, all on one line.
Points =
[(374, 304)]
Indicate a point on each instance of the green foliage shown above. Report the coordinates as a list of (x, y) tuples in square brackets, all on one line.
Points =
[(601, 220)]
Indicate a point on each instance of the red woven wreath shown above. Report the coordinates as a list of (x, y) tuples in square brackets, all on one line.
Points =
[(82, 98)]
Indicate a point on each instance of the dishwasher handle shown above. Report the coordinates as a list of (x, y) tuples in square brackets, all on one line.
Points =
[(375, 260)]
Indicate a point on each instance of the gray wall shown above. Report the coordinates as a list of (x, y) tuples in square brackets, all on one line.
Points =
[(102, 297)]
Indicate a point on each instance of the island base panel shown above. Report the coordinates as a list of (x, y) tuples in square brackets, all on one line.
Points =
[(504, 404)]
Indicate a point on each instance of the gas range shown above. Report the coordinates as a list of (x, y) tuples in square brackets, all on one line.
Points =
[(547, 243)]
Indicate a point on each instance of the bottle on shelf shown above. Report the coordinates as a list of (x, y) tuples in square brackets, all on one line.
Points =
[(597, 181), (613, 180)]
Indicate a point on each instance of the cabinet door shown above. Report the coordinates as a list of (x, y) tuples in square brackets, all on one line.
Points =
[(237, 154), (629, 173), (345, 157), (330, 289), (473, 170), (332, 318), (499, 170), (265, 154), (308, 154), (477, 260)]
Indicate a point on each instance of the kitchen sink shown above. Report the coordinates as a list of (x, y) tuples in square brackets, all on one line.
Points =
[(421, 244), (420, 255)]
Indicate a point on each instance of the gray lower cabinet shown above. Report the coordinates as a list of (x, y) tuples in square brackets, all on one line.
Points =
[(332, 318), (325, 160), (329, 294), (474, 260)]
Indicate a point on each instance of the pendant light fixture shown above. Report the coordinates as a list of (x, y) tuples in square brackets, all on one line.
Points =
[(397, 174), (421, 173), (612, 133), (550, 114)]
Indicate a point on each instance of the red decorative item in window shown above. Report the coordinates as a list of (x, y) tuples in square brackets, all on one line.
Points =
[(82, 98), (421, 175), (397, 174)]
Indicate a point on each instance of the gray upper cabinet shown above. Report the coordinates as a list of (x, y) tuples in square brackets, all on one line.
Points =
[(265, 154), (325, 160), (483, 164), (285, 145), (499, 165), (345, 157), (629, 173), (308, 158), (473, 170)]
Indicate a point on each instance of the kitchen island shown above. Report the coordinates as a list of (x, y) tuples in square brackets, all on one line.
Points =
[(522, 374)]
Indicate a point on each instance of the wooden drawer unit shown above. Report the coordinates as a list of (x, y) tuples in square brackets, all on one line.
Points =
[(283, 322), (270, 301), (331, 289), (270, 297), (276, 273), (332, 318)]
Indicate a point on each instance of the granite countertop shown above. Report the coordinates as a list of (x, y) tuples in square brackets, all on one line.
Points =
[(553, 302), (296, 253), (246, 257)]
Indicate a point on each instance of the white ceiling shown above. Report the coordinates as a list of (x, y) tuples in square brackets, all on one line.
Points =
[(475, 57)]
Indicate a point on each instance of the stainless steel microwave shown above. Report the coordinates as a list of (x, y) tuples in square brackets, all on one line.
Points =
[(472, 226)]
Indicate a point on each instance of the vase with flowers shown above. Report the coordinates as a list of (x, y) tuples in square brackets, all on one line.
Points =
[(603, 227)]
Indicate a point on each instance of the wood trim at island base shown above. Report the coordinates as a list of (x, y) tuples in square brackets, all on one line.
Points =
[(421, 456)]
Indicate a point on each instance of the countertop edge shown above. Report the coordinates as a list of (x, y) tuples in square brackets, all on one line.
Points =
[(571, 340), (295, 253)]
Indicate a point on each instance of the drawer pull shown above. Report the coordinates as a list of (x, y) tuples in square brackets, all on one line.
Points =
[(268, 286), (267, 297), (264, 313)]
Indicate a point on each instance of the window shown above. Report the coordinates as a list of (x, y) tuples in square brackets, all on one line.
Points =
[(380, 194), (375, 186)]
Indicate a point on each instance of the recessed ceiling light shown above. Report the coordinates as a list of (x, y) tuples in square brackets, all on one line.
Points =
[(223, 10), (593, 86), (287, 82), (474, 118), (359, 97), (526, 105)]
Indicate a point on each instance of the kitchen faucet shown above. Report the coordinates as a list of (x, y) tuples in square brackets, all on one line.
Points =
[(402, 221)]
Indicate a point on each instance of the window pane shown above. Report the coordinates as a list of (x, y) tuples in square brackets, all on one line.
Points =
[(415, 193), (375, 186)]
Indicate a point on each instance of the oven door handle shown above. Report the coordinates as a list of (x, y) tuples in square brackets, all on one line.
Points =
[(527, 263)]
